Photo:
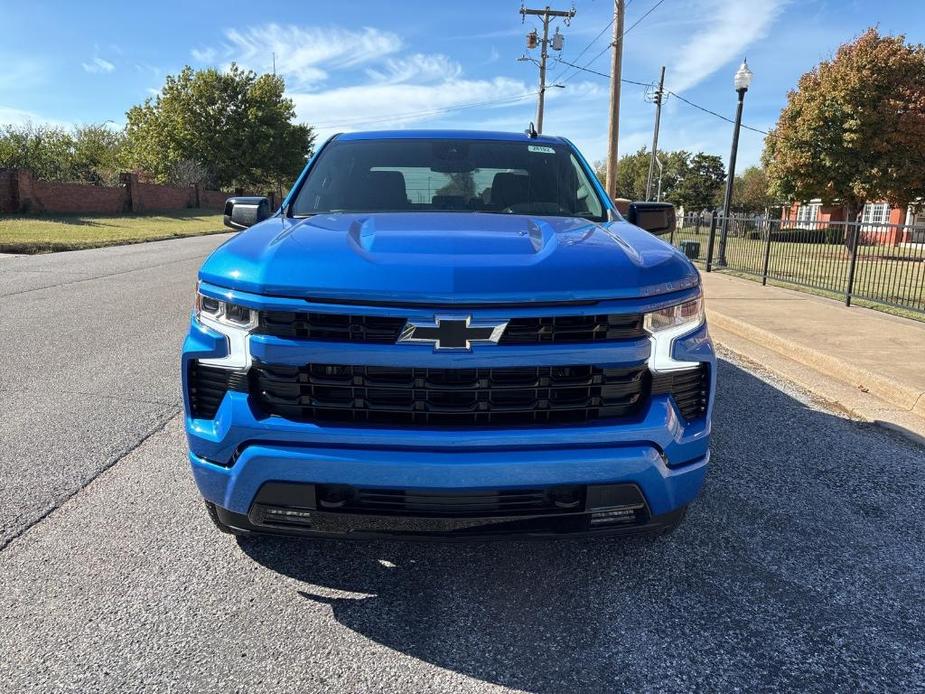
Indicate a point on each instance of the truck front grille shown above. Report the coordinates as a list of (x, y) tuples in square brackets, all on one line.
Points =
[(331, 327), (572, 329), (336, 327), (449, 397), (500, 502)]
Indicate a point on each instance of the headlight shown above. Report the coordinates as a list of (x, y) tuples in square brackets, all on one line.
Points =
[(665, 326), (224, 313), (675, 318)]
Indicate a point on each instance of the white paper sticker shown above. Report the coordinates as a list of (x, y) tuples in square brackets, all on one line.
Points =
[(541, 149)]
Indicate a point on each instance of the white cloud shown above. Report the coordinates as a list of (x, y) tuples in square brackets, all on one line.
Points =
[(377, 86), (304, 55), (98, 65), (418, 67), (204, 55), (733, 25), (388, 104), (18, 116)]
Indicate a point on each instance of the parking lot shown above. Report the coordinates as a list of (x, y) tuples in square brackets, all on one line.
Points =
[(802, 565)]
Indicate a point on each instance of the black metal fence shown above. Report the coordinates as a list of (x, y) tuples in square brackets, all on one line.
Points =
[(878, 263)]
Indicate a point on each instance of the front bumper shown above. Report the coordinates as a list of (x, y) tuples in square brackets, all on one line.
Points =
[(333, 526), (234, 454), (235, 487)]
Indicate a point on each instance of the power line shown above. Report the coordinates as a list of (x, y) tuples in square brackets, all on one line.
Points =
[(609, 45), (589, 44), (675, 94), (604, 74), (714, 113), (583, 50)]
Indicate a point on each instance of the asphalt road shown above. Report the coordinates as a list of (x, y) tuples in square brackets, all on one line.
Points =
[(90, 346), (801, 567)]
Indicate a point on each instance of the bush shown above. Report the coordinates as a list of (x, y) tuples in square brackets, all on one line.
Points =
[(86, 154), (833, 235)]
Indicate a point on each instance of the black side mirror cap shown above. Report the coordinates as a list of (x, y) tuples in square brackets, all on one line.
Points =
[(245, 211), (655, 217)]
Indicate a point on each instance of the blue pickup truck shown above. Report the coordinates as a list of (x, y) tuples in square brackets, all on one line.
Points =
[(447, 334)]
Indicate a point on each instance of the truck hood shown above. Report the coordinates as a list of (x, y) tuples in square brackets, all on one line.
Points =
[(448, 258)]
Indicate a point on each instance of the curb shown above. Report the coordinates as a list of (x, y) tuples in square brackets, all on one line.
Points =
[(888, 389)]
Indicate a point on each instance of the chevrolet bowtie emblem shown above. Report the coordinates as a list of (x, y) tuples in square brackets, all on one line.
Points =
[(452, 332)]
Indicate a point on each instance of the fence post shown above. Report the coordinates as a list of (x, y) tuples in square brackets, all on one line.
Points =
[(854, 243), (767, 252), (671, 239), (711, 240)]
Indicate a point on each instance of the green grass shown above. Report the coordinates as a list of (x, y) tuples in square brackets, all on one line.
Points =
[(823, 269), (50, 233)]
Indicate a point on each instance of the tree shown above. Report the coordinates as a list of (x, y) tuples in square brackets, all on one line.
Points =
[(704, 177), (750, 191), (86, 154), (235, 125), (45, 150), (97, 151), (854, 129), (633, 171), (461, 183)]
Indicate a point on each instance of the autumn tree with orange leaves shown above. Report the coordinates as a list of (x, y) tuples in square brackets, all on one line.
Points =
[(854, 129)]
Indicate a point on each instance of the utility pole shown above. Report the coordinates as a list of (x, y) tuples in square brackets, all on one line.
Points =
[(616, 70), (547, 15), (659, 97)]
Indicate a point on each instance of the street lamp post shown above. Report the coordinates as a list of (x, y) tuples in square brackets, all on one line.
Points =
[(743, 78)]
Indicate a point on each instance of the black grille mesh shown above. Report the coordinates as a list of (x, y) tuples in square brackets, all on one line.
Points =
[(335, 327), (572, 329), (689, 388), (457, 504), (331, 327), (448, 397), (207, 386)]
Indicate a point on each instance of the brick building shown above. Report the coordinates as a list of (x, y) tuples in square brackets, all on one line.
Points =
[(882, 224)]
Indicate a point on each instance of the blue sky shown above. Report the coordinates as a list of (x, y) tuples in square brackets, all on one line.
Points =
[(369, 65)]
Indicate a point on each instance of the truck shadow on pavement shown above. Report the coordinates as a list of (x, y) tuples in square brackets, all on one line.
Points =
[(801, 565)]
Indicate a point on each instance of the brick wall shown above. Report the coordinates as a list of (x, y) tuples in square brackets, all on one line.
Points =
[(19, 192), (73, 198), (154, 197), (6, 192), (213, 199)]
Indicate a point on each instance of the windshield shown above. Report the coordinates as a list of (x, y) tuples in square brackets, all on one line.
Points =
[(448, 175)]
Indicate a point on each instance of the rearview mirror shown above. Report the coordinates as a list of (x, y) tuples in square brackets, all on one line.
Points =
[(655, 217), (242, 212)]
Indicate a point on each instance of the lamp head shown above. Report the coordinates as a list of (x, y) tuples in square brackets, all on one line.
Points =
[(743, 77)]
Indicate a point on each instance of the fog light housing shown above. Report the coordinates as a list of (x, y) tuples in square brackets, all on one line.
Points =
[(615, 516)]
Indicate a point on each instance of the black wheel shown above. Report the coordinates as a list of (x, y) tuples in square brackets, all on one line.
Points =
[(213, 514)]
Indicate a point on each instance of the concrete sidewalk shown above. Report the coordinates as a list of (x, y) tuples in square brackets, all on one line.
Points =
[(871, 353)]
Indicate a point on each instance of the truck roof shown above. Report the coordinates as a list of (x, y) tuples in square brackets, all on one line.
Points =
[(447, 135)]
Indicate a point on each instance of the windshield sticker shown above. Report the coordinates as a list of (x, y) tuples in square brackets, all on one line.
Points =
[(541, 149)]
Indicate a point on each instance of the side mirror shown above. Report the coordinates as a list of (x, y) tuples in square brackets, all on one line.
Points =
[(243, 212), (655, 217)]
